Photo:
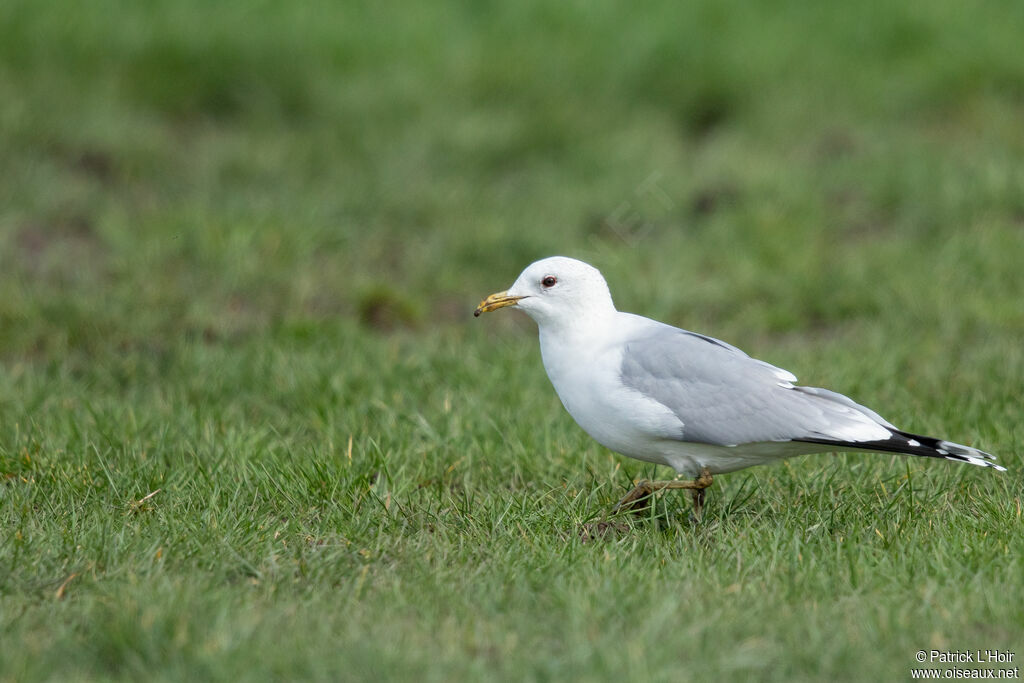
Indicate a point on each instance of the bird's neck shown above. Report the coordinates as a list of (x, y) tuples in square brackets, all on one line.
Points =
[(577, 331)]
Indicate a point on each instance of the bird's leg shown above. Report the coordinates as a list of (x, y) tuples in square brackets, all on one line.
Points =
[(634, 500), (698, 504), (702, 482)]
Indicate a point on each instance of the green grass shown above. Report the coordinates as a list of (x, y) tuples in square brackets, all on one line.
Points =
[(240, 245)]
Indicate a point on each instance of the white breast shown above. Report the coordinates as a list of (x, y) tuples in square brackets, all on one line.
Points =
[(587, 380)]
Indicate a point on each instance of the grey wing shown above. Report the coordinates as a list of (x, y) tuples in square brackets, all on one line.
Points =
[(724, 397)]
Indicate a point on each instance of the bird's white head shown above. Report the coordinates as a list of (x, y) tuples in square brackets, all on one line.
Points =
[(556, 291)]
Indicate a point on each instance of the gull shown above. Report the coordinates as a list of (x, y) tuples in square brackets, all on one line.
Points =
[(701, 406)]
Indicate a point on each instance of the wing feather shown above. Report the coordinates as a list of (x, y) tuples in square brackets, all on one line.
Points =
[(724, 397)]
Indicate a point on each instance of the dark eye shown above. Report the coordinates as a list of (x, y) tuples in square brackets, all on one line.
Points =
[(549, 281)]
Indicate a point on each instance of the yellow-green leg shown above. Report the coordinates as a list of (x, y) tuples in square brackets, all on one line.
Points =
[(636, 500)]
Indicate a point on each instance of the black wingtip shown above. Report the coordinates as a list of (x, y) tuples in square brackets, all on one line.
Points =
[(915, 444)]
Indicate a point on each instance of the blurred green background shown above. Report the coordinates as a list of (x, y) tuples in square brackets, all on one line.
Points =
[(219, 169), (242, 241)]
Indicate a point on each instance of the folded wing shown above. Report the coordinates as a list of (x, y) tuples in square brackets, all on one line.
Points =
[(724, 397)]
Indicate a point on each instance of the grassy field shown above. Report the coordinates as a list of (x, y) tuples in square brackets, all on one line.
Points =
[(250, 430)]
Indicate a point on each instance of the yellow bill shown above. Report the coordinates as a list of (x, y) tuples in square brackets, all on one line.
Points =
[(496, 301)]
